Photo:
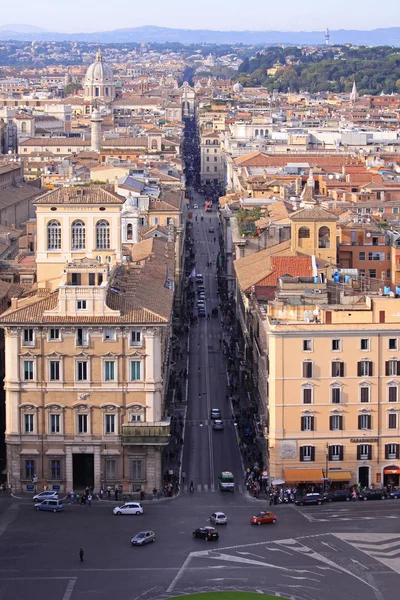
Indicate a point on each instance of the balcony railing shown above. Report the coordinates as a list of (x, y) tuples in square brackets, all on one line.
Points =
[(146, 434)]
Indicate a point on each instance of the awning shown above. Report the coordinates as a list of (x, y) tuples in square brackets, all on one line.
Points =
[(339, 475), (55, 452), (391, 471), (303, 475)]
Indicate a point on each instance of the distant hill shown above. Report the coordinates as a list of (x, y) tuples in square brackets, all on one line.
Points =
[(375, 37)]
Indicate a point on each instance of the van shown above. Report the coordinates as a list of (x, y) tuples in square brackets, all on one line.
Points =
[(51, 505), (226, 482)]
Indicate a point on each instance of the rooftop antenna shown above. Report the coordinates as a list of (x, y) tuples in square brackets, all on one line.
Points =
[(327, 37)]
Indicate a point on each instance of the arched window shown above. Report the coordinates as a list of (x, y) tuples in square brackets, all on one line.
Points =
[(23, 127), (304, 233), (78, 235), (129, 231), (261, 132), (256, 133), (324, 237), (154, 144), (102, 235), (54, 235)]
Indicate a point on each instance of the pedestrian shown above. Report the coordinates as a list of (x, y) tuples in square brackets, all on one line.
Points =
[(354, 495), (155, 494), (191, 487), (89, 499), (81, 553), (109, 491), (183, 476), (101, 493), (116, 492)]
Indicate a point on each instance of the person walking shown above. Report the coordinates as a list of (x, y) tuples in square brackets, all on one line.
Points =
[(81, 553), (89, 499), (183, 477), (191, 487)]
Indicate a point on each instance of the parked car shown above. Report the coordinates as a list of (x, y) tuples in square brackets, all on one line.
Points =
[(215, 413), (337, 496), (206, 533), (129, 508), (143, 537), (219, 518), (218, 425), (195, 206), (45, 496), (263, 518), (372, 495), (395, 494), (50, 505), (309, 499), (211, 229)]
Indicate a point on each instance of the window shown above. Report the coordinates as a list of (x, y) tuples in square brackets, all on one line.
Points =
[(54, 235), (137, 468), (375, 240), (28, 370), (135, 370), (136, 337), (336, 395), (82, 370), (304, 233), (102, 235), (307, 369), (335, 452), (392, 367), (54, 334), (28, 423), (392, 393), (337, 368), (392, 344), (78, 230), (307, 395), (364, 368), (28, 337), (324, 236), (109, 370), (364, 393), (372, 273), (55, 468), (136, 418), (336, 345), (392, 421), (82, 337), (364, 452), (364, 344), (30, 470), (55, 424), (110, 424), (307, 423), (82, 423), (109, 333), (376, 256), (336, 422), (364, 421), (307, 345), (54, 370), (361, 256), (392, 451), (81, 304), (307, 453), (111, 469)]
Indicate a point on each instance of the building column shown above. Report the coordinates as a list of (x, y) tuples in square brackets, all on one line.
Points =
[(69, 482), (97, 469)]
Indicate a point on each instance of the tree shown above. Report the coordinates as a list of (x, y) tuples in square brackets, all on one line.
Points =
[(70, 88)]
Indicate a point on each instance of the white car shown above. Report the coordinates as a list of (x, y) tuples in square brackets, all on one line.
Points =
[(219, 518), (195, 206), (200, 304), (129, 508), (45, 496), (202, 296)]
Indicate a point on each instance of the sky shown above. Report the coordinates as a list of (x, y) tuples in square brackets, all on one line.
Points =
[(289, 15)]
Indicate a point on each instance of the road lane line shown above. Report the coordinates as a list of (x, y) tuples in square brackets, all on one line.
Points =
[(69, 590), (179, 575)]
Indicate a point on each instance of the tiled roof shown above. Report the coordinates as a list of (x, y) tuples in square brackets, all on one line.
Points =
[(125, 142), (18, 193), (56, 141), (316, 213), (295, 266), (82, 195), (251, 269)]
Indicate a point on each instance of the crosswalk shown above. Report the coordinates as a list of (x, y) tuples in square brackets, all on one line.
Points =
[(210, 488), (350, 514), (383, 547)]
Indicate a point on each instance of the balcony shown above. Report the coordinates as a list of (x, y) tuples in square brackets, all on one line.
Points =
[(138, 434)]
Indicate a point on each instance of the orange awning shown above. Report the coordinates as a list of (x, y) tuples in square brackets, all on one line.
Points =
[(303, 475), (339, 475), (391, 471)]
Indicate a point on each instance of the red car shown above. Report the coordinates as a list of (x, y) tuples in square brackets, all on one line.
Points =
[(263, 518)]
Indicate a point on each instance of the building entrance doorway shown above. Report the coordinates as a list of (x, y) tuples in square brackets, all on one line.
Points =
[(83, 471), (363, 476), (391, 476)]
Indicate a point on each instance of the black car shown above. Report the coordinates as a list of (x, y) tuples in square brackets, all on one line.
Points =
[(372, 495), (206, 533), (337, 496), (309, 499)]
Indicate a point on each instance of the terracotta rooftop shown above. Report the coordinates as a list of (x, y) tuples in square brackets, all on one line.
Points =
[(81, 195)]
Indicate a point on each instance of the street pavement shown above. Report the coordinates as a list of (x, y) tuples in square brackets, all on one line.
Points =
[(341, 550)]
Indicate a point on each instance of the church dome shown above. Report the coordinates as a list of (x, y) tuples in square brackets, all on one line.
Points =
[(237, 88), (99, 71)]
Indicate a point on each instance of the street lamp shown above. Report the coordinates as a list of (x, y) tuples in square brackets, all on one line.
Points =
[(326, 465)]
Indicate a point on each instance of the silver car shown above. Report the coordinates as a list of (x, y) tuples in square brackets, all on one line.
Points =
[(48, 495), (143, 537), (219, 518)]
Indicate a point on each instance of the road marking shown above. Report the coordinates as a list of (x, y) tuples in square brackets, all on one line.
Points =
[(8, 517), (329, 546), (69, 590), (205, 487), (179, 575), (199, 487)]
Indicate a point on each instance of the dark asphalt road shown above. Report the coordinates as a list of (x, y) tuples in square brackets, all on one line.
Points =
[(341, 550)]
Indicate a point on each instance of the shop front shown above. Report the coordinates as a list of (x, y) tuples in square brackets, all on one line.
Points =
[(338, 480), (306, 480), (391, 476)]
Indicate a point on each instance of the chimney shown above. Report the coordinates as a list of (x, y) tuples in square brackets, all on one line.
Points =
[(14, 303)]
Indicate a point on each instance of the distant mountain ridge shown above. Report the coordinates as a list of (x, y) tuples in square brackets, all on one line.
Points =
[(375, 37)]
